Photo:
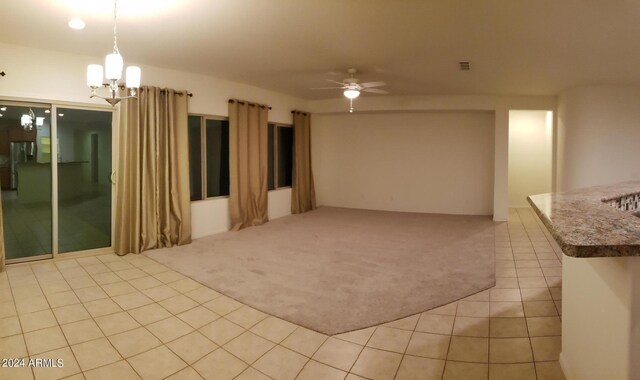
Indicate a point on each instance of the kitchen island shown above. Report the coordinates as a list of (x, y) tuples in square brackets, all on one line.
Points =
[(599, 232), (34, 181)]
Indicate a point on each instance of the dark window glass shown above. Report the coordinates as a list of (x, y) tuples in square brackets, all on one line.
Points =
[(285, 156), (195, 158), (217, 157), (270, 157), (84, 179)]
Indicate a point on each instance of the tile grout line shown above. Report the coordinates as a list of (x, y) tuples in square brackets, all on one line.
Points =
[(362, 350), (404, 353), (450, 340), (534, 217), (171, 315), (120, 311), (15, 305), (92, 318), (541, 225), (56, 319), (224, 316), (525, 315)]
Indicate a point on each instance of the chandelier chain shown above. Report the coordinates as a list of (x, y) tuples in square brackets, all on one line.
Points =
[(115, 26)]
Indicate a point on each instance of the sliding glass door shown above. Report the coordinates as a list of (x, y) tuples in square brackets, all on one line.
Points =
[(25, 179), (84, 179), (56, 179)]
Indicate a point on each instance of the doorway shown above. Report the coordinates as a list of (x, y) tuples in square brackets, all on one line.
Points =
[(530, 155), (55, 166)]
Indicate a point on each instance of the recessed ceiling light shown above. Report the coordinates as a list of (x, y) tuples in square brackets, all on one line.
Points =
[(76, 23), (3, 108), (61, 114), (47, 111), (1, 115)]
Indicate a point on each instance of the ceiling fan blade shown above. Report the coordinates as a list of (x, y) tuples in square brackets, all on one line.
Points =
[(335, 81), (326, 88), (372, 84), (375, 91)]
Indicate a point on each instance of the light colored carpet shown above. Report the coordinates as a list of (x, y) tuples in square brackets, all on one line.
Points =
[(334, 270)]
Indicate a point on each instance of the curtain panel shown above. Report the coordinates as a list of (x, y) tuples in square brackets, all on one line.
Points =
[(247, 164), (303, 194), (1, 238), (153, 208)]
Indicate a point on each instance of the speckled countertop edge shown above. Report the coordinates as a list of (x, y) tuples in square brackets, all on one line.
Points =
[(584, 226)]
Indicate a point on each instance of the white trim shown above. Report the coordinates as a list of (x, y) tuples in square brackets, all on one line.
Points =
[(53, 105), (53, 136)]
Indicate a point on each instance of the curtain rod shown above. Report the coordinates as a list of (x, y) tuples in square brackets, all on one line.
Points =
[(302, 112), (249, 103), (189, 94)]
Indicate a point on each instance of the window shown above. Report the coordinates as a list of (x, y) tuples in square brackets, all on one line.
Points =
[(195, 157), (208, 157), (280, 156), (285, 156), (270, 158), (217, 149)]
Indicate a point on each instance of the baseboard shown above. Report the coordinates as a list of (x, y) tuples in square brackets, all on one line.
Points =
[(564, 368)]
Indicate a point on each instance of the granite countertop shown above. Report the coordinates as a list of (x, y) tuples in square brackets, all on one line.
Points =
[(585, 226)]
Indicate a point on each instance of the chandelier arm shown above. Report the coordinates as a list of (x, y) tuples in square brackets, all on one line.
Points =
[(109, 97), (113, 95)]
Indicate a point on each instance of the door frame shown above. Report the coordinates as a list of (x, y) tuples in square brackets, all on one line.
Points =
[(53, 105)]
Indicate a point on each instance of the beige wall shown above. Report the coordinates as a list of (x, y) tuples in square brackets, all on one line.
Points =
[(499, 105), (598, 135), (439, 162), (530, 155), (37, 74), (600, 318)]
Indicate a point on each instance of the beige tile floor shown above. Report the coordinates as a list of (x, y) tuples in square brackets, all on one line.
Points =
[(110, 317)]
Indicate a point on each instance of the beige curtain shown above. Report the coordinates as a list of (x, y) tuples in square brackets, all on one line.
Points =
[(1, 237), (247, 164), (303, 194), (153, 207)]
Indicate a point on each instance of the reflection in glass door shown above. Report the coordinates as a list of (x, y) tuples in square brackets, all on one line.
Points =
[(84, 179), (25, 179)]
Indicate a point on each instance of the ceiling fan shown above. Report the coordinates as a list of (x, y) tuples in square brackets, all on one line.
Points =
[(352, 87)]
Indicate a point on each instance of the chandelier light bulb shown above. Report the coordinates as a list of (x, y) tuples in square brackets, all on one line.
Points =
[(94, 75), (25, 120), (113, 66), (133, 77)]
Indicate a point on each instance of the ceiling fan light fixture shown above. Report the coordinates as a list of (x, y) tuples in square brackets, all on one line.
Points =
[(76, 23), (351, 93)]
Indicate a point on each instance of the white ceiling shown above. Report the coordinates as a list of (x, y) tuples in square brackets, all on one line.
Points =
[(533, 47)]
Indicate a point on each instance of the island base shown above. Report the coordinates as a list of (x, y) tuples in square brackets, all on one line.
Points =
[(601, 318)]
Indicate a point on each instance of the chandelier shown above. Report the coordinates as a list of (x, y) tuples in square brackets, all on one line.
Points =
[(113, 73), (27, 120)]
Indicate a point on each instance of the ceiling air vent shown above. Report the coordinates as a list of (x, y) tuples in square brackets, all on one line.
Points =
[(465, 65)]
